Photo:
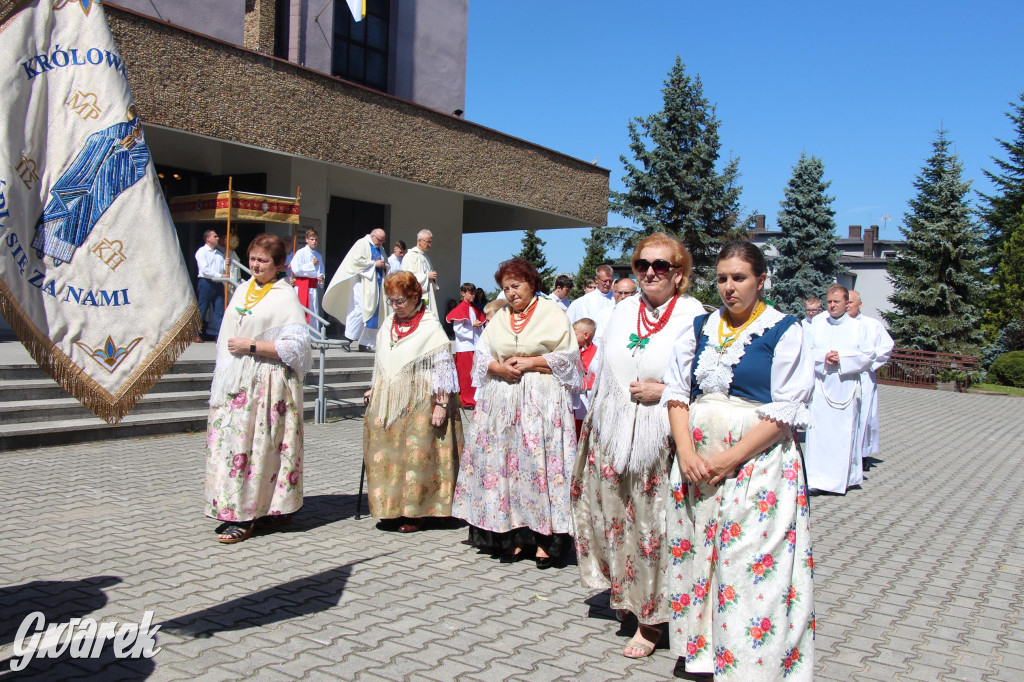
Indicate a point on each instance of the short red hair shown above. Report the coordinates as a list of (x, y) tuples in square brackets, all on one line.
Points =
[(518, 268), (403, 282)]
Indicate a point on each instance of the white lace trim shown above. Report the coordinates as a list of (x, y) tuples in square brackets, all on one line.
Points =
[(567, 367), (714, 374), (500, 404), (428, 374), (482, 359), (232, 371), (674, 393), (635, 434), (792, 412)]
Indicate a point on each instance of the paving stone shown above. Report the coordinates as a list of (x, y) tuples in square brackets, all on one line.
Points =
[(902, 591)]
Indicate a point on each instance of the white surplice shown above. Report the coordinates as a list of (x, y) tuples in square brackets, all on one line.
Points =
[(308, 262), (589, 305), (882, 344), (418, 263), (833, 457)]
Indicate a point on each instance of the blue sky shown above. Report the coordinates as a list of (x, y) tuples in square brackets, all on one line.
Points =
[(864, 86)]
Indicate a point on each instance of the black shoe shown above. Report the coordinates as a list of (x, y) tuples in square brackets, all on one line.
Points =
[(544, 562), (513, 558), (365, 349)]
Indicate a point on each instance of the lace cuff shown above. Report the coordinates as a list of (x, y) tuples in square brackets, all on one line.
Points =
[(444, 379), (792, 412), (292, 344), (673, 392), (567, 368)]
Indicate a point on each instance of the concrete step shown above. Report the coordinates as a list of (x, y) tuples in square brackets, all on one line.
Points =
[(59, 409), (42, 434), (12, 390)]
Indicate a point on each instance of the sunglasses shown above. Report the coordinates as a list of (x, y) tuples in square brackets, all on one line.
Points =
[(660, 266)]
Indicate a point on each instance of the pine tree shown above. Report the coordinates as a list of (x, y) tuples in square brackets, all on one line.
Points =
[(533, 251), (674, 185), (1006, 302), (1000, 209), (808, 258), (937, 277), (595, 255)]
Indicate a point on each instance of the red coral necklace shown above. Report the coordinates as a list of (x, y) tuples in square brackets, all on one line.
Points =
[(518, 321), (400, 330), (646, 327)]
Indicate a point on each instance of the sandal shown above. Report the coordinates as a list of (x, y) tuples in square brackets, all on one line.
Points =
[(230, 533), (639, 643), (622, 615)]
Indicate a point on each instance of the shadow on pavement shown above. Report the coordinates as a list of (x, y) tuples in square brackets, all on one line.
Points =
[(680, 672), (320, 510), (301, 597), (58, 600), (871, 462)]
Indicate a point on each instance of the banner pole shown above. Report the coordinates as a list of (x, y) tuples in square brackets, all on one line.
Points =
[(227, 247)]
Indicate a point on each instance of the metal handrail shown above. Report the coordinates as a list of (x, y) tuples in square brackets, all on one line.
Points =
[(320, 341)]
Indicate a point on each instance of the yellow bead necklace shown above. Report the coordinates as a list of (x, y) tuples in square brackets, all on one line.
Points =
[(725, 340), (253, 295)]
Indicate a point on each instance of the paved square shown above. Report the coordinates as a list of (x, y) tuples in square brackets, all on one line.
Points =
[(919, 574)]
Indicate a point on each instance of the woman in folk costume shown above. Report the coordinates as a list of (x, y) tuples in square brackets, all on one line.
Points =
[(467, 321), (740, 581), (513, 485), (620, 484), (412, 431), (254, 438)]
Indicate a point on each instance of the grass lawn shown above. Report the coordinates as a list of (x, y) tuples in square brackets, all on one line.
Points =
[(1008, 390)]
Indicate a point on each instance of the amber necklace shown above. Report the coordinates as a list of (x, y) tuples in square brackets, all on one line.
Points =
[(725, 340), (518, 321), (253, 295)]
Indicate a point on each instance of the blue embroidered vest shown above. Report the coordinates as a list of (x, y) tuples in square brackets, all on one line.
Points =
[(752, 375)]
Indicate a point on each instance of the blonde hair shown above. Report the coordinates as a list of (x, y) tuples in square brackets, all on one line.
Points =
[(493, 307), (586, 324)]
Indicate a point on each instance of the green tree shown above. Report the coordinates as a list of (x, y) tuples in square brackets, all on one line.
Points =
[(595, 255), (533, 251), (999, 210), (1006, 302), (937, 278), (808, 258), (674, 186)]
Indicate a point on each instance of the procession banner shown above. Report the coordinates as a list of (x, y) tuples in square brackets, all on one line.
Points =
[(91, 275)]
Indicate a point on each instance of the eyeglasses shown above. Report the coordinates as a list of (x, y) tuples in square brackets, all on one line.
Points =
[(812, 310), (624, 294), (397, 302), (660, 266)]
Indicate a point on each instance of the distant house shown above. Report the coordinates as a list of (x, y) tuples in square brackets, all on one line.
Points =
[(864, 255)]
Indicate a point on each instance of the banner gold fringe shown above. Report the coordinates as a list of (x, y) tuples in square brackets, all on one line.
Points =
[(109, 407), (8, 9)]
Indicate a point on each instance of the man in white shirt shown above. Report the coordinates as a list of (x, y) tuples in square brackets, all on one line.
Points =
[(418, 263), (395, 259), (308, 273), (590, 305), (841, 351), (621, 290), (882, 344), (356, 291), (563, 285), (210, 294)]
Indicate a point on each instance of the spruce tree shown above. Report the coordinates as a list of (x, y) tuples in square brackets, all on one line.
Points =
[(1006, 301), (808, 258), (937, 277), (533, 251), (999, 210), (674, 185), (595, 255)]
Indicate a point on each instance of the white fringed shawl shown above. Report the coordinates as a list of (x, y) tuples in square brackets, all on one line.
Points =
[(278, 317), (636, 434), (549, 335), (418, 365)]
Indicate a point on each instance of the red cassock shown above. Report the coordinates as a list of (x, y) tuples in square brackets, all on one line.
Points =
[(302, 286), (464, 359)]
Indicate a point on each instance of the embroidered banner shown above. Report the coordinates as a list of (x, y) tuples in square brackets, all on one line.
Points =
[(91, 275), (213, 207)]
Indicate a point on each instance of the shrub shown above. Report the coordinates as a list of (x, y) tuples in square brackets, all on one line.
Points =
[(1007, 370), (1010, 338)]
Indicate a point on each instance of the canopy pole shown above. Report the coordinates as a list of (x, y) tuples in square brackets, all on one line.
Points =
[(227, 247)]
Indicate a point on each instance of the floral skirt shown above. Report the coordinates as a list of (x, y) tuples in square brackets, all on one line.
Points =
[(620, 528), (411, 465), (740, 582), (517, 476), (254, 448)]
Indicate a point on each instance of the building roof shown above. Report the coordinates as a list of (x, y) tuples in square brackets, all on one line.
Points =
[(197, 84)]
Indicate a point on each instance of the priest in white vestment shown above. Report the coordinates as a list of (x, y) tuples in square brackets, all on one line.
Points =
[(590, 305), (308, 273), (882, 344), (418, 263), (356, 291), (841, 351)]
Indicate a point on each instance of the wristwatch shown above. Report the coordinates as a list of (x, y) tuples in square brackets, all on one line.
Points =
[(444, 405), (252, 348)]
